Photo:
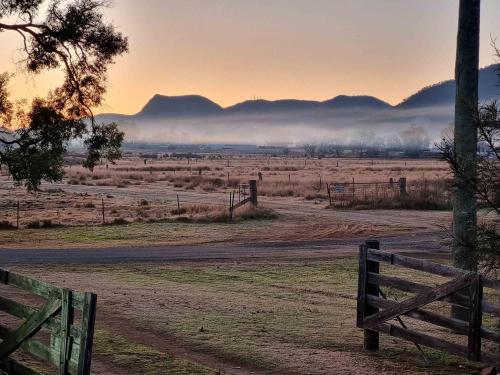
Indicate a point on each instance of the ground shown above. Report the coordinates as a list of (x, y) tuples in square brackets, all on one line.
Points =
[(195, 295), (245, 317)]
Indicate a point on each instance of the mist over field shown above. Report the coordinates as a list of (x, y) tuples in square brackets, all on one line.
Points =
[(346, 126), (342, 119)]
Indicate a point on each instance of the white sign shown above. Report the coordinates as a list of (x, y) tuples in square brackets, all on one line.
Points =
[(339, 188)]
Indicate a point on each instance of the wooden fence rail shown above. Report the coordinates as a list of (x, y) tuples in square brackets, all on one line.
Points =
[(375, 310), (242, 196), (67, 318)]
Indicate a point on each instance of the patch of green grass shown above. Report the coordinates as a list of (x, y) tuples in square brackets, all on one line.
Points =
[(341, 272), (134, 234), (143, 359)]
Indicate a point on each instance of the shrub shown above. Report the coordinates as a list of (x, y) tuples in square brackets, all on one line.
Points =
[(6, 225), (34, 224), (47, 223), (119, 221), (89, 205), (182, 211)]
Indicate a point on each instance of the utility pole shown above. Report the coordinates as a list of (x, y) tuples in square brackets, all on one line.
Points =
[(465, 138)]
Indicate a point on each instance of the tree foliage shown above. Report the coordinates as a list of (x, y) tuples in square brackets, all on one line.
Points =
[(74, 37), (486, 184)]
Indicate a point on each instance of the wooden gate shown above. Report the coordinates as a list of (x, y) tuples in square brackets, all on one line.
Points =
[(464, 291), (58, 332)]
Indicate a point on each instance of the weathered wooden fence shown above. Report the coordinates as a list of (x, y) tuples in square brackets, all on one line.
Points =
[(349, 192), (375, 310), (242, 196), (58, 333)]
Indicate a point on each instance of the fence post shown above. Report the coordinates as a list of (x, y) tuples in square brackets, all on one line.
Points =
[(328, 188), (371, 338), (475, 320), (253, 192), (17, 215), (402, 186), (87, 329), (353, 191), (103, 217), (178, 206)]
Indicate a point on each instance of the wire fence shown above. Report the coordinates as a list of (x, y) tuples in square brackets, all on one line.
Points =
[(418, 194), (62, 209)]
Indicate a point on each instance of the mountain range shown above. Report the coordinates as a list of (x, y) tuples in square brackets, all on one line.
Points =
[(195, 106), (196, 119)]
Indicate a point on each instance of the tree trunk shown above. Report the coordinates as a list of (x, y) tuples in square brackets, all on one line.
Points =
[(466, 103)]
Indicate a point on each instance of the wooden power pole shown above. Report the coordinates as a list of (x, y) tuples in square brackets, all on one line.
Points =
[(466, 104)]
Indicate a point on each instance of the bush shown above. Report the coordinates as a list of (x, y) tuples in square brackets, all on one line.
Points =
[(119, 221), (6, 225), (179, 212), (89, 205), (46, 223), (35, 224)]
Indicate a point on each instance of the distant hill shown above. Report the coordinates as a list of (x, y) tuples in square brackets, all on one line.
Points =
[(443, 93), (285, 105), (178, 106), (260, 105), (360, 101)]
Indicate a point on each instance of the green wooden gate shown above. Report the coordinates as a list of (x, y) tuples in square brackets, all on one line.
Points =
[(58, 332)]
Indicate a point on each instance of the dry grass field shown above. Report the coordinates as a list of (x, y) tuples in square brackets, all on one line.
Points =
[(292, 191)]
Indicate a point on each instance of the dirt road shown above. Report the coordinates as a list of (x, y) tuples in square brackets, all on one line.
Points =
[(424, 243)]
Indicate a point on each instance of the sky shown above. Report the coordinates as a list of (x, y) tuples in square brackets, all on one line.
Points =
[(235, 50)]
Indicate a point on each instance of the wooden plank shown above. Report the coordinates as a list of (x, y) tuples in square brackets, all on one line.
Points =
[(490, 308), (37, 287), (88, 323), (65, 338), (475, 319), (421, 339), (413, 287), (419, 300), (253, 192), (457, 325), (24, 312), (13, 367), (241, 203), (29, 327), (362, 281), (425, 265), (371, 338), (397, 283), (42, 352)]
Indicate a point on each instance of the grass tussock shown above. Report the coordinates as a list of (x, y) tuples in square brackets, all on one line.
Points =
[(6, 225), (303, 189), (164, 168), (42, 224), (246, 212)]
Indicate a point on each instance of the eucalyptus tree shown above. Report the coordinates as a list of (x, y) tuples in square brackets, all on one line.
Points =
[(73, 37)]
